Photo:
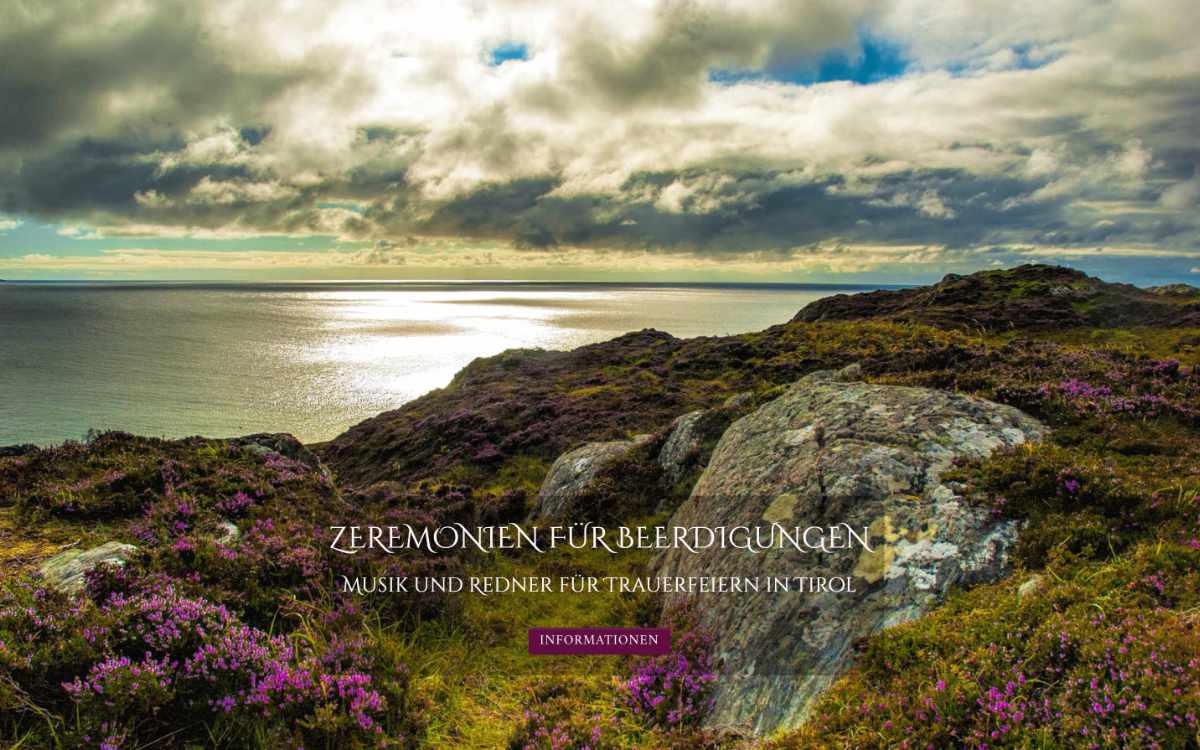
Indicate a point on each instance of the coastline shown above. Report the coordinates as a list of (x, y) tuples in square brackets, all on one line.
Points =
[(1006, 478)]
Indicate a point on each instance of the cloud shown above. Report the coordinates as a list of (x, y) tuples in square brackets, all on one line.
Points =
[(1181, 195), (96, 69), (665, 57), (385, 253), (1056, 125), (8, 224)]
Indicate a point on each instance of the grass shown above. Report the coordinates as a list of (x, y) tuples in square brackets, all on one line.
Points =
[(24, 546), (476, 673), (1160, 343)]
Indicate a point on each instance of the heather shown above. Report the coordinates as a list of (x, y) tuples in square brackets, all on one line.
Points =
[(655, 701), (144, 660), (674, 691), (1101, 656), (564, 715), (227, 628)]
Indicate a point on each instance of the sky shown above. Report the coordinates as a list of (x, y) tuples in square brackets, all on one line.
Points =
[(757, 140)]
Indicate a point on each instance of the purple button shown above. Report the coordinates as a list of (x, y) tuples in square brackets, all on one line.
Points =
[(647, 641)]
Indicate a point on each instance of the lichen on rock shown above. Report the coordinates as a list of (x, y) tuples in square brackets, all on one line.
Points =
[(573, 479), (66, 570), (834, 450)]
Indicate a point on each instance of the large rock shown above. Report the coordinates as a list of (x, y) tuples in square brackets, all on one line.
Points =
[(571, 481), (829, 452), (65, 571), (286, 445)]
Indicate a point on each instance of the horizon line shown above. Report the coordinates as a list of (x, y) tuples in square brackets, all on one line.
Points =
[(498, 282)]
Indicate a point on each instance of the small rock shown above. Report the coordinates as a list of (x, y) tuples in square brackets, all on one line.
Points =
[(1030, 587), (265, 443), (739, 400), (851, 373), (258, 449), (229, 533), (65, 570), (574, 472), (681, 447)]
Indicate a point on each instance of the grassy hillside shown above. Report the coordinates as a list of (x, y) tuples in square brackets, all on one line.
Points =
[(1091, 643), (1028, 297)]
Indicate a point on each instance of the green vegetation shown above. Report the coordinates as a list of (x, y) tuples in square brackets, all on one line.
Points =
[(1092, 642)]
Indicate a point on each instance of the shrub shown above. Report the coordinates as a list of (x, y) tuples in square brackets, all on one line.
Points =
[(1086, 501), (1094, 660), (148, 656), (154, 662), (559, 716), (674, 691)]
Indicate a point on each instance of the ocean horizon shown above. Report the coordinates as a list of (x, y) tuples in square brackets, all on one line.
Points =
[(223, 358)]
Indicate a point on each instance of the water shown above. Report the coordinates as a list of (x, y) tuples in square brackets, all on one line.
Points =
[(311, 359)]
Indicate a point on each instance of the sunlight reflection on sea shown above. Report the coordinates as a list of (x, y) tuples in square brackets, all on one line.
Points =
[(311, 359)]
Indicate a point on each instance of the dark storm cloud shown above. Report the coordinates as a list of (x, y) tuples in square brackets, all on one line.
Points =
[(759, 211), (738, 212), (96, 94), (66, 66), (107, 175), (495, 209)]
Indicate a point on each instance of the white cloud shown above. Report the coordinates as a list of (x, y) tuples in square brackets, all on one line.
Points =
[(412, 256), (1065, 113)]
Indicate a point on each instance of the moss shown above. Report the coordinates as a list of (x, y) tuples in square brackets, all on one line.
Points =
[(591, 390)]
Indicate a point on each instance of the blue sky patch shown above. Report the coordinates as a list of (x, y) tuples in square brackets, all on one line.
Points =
[(875, 60), (508, 52), (33, 237)]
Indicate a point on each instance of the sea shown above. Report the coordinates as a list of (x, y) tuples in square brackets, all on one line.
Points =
[(224, 359)]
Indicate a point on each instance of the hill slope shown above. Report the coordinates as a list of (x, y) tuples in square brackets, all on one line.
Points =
[(1026, 297)]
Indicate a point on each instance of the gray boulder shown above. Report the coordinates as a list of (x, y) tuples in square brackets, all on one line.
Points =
[(831, 451), (65, 570), (574, 474), (691, 437), (682, 446)]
